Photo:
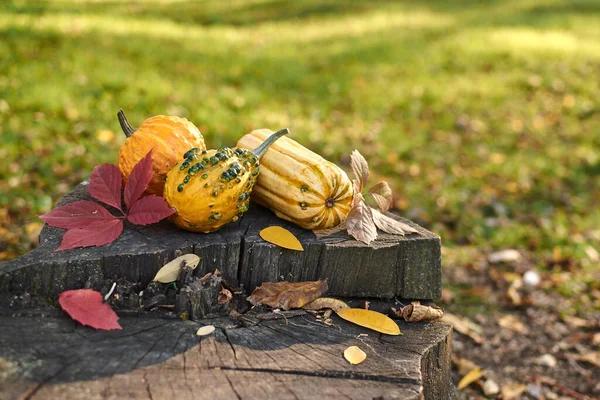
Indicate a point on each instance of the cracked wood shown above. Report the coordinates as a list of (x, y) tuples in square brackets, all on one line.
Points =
[(406, 267), (52, 357)]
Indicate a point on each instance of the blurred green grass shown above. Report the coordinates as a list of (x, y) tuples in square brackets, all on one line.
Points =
[(483, 115)]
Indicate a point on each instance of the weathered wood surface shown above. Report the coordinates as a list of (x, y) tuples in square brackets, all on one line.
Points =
[(408, 267), (54, 358)]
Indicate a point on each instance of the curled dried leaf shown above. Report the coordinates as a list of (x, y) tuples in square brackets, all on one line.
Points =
[(354, 355), (360, 168), (382, 194), (415, 312), (170, 271), (391, 225), (281, 237), (287, 295), (360, 223), (326, 303), (225, 296), (370, 319)]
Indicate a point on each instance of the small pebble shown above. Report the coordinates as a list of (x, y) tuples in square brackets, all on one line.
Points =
[(534, 390), (548, 360), (531, 279), (491, 388)]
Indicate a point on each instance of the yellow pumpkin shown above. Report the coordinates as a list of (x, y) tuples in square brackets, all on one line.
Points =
[(299, 185), (210, 188), (169, 137)]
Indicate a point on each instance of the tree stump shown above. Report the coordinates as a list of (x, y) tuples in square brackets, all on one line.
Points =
[(408, 267), (46, 355), (54, 358)]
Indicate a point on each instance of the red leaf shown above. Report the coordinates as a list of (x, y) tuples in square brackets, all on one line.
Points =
[(105, 185), (86, 307), (79, 214), (138, 180), (148, 210), (96, 234)]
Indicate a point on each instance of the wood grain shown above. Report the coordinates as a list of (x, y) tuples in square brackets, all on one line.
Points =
[(403, 266)]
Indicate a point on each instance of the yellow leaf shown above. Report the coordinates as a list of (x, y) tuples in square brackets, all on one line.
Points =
[(354, 355), (472, 376), (170, 271), (325, 302), (205, 330), (370, 319), (281, 237), (105, 135)]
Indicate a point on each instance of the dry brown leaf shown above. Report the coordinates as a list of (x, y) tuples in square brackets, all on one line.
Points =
[(225, 296), (170, 271), (512, 390), (591, 357), (415, 312), (360, 168), (464, 326), (512, 322), (472, 376), (287, 295), (390, 225), (326, 302), (354, 355), (370, 319), (360, 222), (382, 194), (281, 237)]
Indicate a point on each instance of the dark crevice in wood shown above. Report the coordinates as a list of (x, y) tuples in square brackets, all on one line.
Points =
[(147, 384), (226, 334), (328, 374)]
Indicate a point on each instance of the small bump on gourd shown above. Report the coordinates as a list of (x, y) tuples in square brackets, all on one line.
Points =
[(186, 179), (238, 180), (214, 160), (180, 187), (211, 205), (206, 184), (215, 217), (242, 196), (191, 152), (303, 205), (203, 151), (204, 176), (235, 218), (215, 193), (184, 165), (304, 188)]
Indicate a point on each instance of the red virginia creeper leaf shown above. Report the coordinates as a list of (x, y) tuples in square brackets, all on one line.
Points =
[(105, 185), (360, 223), (96, 234), (86, 307), (79, 214), (138, 180), (148, 210)]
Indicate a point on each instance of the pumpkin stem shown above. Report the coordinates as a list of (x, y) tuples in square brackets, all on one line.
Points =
[(127, 128), (264, 146)]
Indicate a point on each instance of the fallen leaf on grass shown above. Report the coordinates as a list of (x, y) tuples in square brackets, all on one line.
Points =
[(512, 390), (472, 376), (591, 357), (170, 271), (281, 237), (370, 319), (86, 306), (326, 302), (205, 330), (464, 326), (354, 355), (287, 295), (415, 312), (512, 322)]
